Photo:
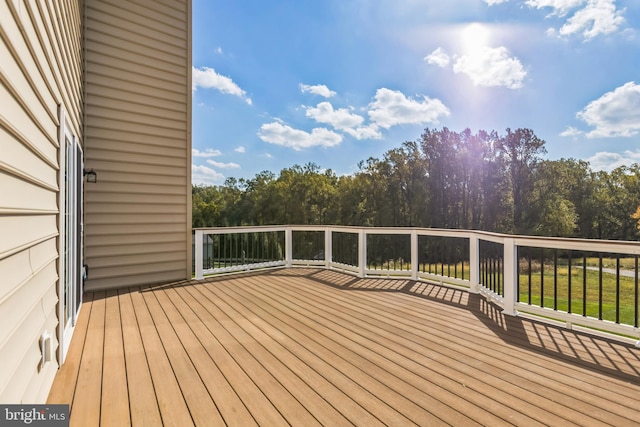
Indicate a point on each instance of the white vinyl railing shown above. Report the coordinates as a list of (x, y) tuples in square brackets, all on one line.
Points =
[(551, 277)]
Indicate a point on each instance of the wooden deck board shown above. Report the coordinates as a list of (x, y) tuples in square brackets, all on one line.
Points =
[(201, 407), (115, 393), (226, 400), (305, 347), (143, 404), (535, 393), (64, 386), (234, 336), (237, 365), (173, 408), (383, 344), (322, 339), (327, 361), (279, 364), (89, 382)]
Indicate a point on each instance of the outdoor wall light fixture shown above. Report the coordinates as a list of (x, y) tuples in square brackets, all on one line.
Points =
[(91, 175)]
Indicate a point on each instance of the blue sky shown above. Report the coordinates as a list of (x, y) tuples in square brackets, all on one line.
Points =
[(284, 82)]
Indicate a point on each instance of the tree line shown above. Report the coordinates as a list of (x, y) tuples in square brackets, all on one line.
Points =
[(446, 179)]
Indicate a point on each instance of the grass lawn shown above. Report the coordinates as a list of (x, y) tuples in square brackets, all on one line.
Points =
[(614, 297)]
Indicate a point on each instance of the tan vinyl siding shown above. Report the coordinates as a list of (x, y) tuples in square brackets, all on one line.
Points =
[(40, 70), (137, 139)]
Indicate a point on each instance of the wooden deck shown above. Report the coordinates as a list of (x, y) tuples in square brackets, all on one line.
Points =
[(315, 347)]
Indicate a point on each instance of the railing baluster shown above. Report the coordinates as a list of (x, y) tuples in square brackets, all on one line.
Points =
[(635, 299), (542, 279), (584, 285), (569, 280), (618, 289), (422, 255), (600, 286), (555, 279), (529, 295)]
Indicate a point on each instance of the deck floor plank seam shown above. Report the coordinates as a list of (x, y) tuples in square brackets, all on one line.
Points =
[(298, 335), (514, 349), (261, 378), (381, 326), (251, 396), (87, 397), (238, 326), (115, 394), (605, 416), (410, 360), (173, 407), (220, 392), (433, 317), (306, 346), (64, 387), (201, 407), (260, 331), (315, 379), (279, 366), (542, 327), (143, 402)]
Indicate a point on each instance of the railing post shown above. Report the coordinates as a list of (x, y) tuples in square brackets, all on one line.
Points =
[(474, 264), (328, 242), (510, 277), (362, 252), (414, 255), (288, 247), (198, 254)]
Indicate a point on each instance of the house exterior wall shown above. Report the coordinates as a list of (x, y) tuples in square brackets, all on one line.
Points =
[(118, 72), (138, 140), (40, 76)]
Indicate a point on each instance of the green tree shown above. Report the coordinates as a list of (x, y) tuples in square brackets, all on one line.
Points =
[(521, 150)]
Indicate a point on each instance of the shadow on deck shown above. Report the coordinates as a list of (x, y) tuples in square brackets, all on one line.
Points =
[(318, 347)]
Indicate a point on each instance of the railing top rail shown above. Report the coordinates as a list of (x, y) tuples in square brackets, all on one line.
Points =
[(588, 245), (244, 229)]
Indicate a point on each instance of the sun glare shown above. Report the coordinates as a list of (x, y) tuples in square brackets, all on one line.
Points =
[(474, 36)]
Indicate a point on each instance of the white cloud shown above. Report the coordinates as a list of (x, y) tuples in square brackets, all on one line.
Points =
[(202, 175), (560, 7), (392, 108), (240, 149), (615, 113), (207, 78), (494, 2), (438, 57), (489, 66), (321, 90), (371, 131), (607, 161), (598, 17), (279, 134), (343, 119), (591, 17), (571, 131), (209, 152), (223, 165)]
